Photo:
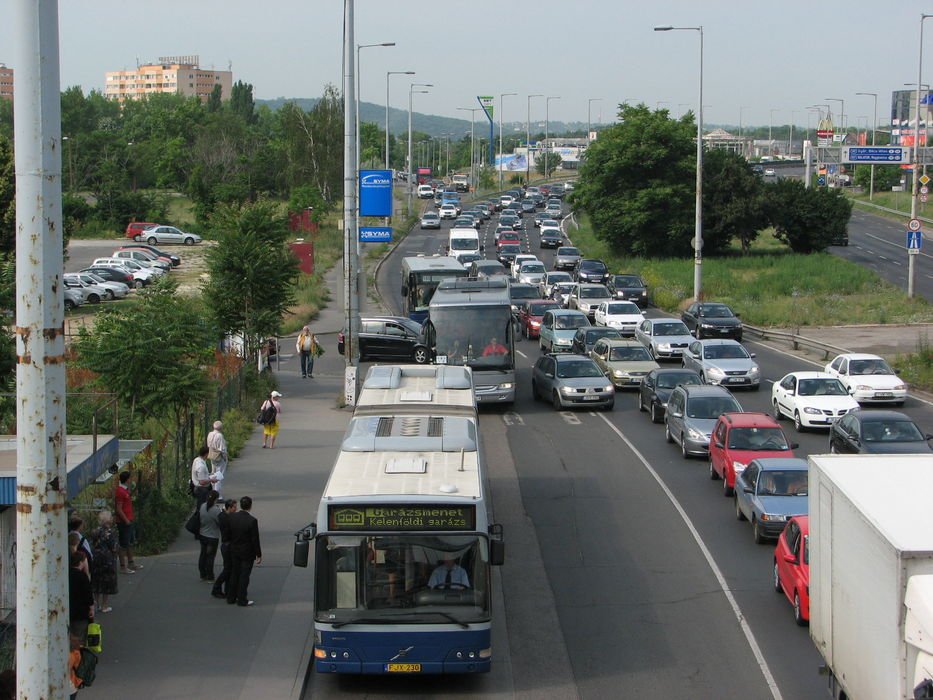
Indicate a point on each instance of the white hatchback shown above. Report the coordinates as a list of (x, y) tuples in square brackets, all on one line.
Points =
[(624, 316), (868, 378), (811, 399)]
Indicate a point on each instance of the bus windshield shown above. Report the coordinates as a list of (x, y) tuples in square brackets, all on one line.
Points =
[(401, 578), (478, 336)]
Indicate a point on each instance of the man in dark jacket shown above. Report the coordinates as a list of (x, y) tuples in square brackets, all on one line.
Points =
[(223, 522), (244, 552)]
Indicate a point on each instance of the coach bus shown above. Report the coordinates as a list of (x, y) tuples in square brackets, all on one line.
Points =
[(420, 277), (470, 324), (403, 546)]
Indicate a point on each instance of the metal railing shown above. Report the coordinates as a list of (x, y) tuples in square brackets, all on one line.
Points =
[(795, 340)]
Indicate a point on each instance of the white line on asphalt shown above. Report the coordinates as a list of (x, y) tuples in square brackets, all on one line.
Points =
[(570, 417), (522, 354), (736, 610), (882, 257)]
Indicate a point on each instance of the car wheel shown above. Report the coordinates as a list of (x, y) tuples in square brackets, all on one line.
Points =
[(136, 238), (93, 299), (139, 284), (609, 406), (712, 472), (757, 534), (776, 579), (739, 515), (69, 305), (667, 433), (798, 613), (655, 417), (189, 241), (152, 240), (727, 490), (651, 352), (421, 356), (683, 447), (640, 400), (756, 387), (556, 400), (798, 424), (702, 377)]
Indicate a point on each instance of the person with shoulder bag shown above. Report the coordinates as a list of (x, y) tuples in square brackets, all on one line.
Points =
[(270, 429), (209, 536), (306, 346)]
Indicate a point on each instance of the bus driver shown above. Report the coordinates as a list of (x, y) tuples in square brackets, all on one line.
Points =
[(449, 573)]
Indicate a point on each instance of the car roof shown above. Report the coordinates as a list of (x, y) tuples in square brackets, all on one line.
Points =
[(564, 356), (750, 419), (590, 285), (622, 342), (704, 390), (879, 416), (782, 463), (860, 356), (568, 312), (718, 341), (810, 374)]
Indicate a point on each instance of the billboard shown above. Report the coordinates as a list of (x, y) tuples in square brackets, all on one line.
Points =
[(487, 101), (375, 193)]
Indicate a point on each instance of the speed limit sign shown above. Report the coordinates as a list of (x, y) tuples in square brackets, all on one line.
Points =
[(913, 225), (924, 190)]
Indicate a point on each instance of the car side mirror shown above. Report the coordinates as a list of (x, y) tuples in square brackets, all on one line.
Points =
[(482, 247), (751, 354), (738, 315), (718, 444), (791, 392), (928, 437), (851, 389), (677, 414), (549, 375), (794, 445), (404, 291), (748, 489)]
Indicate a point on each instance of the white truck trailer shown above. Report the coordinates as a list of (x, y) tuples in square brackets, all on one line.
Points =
[(871, 573)]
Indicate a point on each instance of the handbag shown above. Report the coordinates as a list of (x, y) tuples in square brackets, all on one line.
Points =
[(193, 524), (94, 638)]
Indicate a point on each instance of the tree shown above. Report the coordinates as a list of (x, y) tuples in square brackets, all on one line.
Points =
[(312, 144), (806, 219), (251, 271), (154, 357), (732, 202), (886, 177), (7, 198), (241, 101), (214, 102), (637, 183), (547, 162)]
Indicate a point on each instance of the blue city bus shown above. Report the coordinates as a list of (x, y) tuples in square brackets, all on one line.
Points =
[(420, 277), (403, 546)]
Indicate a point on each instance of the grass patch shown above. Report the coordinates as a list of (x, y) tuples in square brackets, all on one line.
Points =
[(180, 210), (917, 368), (771, 286)]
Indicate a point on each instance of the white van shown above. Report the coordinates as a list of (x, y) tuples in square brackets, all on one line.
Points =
[(425, 191), (463, 241)]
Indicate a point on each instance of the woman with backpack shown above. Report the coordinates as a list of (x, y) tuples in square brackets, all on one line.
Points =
[(270, 428)]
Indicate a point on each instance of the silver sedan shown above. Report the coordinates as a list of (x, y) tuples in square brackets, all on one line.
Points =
[(168, 234)]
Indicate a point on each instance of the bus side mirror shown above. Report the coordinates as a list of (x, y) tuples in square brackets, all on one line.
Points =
[(496, 545), (303, 545)]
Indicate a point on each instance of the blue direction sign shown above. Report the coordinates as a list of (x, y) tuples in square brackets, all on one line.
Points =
[(876, 154), (914, 241), (376, 234), (821, 181)]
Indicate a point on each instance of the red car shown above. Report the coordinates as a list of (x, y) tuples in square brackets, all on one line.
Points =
[(531, 313), (135, 228), (792, 566), (737, 439), (508, 237)]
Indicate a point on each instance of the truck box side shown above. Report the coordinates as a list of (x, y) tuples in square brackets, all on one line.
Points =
[(868, 533)]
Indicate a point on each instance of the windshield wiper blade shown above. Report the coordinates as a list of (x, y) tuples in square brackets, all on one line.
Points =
[(388, 618)]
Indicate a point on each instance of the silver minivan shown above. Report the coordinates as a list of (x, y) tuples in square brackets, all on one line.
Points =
[(691, 414)]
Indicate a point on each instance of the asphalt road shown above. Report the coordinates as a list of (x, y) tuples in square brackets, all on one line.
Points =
[(650, 572)]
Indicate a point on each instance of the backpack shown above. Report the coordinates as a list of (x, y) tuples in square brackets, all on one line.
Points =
[(267, 414), (86, 670)]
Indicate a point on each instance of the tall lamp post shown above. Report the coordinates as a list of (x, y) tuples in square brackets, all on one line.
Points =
[(741, 129), (911, 258), (528, 139), (770, 127), (842, 110), (472, 112), (388, 73), (411, 174), (547, 126), (589, 125), (502, 96), (698, 232), (874, 132), (359, 47)]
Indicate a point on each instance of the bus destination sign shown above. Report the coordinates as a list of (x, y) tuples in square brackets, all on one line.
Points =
[(394, 516)]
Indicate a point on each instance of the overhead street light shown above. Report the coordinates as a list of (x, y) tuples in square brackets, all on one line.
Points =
[(359, 47), (388, 73), (770, 127), (411, 174), (528, 140), (502, 97), (589, 126), (547, 124), (472, 111), (698, 225), (874, 132)]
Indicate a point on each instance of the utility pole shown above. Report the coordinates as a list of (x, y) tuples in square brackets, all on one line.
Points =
[(501, 151), (388, 73), (411, 169), (41, 473), (528, 140), (350, 222)]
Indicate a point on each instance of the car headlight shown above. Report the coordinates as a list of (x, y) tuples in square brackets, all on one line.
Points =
[(644, 293), (618, 373), (568, 390), (609, 387), (754, 371), (863, 387), (707, 325), (695, 434), (900, 387), (770, 517), (738, 467), (664, 346), (535, 324), (715, 372), (812, 411)]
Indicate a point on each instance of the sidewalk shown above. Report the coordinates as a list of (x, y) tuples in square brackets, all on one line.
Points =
[(167, 637)]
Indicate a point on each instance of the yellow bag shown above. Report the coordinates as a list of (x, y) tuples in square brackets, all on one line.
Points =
[(94, 638)]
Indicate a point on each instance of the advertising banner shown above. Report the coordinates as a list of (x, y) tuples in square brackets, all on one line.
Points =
[(487, 102), (375, 234), (375, 193)]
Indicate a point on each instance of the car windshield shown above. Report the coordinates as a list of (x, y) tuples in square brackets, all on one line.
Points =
[(630, 354), (596, 333), (554, 277), (724, 352), (669, 381), (533, 267), (523, 292), (578, 368), (782, 483), (510, 248), (594, 293), (711, 407), (876, 366), (566, 323), (821, 387), (627, 281), (592, 266), (463, 244), (549, 222), (757, 439), (540, 309), (891, 431), (568, 251), (670, 329), (430, 215), (716, 311), (622, 309)]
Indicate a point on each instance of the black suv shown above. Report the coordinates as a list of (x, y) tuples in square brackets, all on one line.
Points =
[(590, 270), (711, 320), (389, 338)]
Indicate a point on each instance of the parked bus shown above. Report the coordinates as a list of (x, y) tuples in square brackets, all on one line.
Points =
[(420, 277), (403, 544), (470, 324)]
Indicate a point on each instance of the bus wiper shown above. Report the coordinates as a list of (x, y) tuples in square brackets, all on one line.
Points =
[(355, 620), (388, 618), (446, 616)]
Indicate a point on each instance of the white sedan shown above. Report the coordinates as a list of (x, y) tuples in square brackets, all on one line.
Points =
[(868, 378), (811, 399), (621, 315), (167, 234)]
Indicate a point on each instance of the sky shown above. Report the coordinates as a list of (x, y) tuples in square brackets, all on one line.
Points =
[(764, 62)]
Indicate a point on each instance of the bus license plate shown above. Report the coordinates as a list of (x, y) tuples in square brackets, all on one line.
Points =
[(403, 668)]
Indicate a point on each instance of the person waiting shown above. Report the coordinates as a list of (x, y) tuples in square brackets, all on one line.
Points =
[(449, 573)]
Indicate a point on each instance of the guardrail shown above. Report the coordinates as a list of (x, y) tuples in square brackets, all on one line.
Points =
[(795, 340), (889, 210)]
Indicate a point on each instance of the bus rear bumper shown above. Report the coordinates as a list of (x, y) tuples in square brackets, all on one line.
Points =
[(379, 668)]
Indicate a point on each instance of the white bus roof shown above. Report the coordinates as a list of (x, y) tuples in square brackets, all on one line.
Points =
[(416, 389), (433, 263)]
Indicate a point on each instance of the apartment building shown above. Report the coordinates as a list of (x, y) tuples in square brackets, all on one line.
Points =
[(6, 82), (179, 75)]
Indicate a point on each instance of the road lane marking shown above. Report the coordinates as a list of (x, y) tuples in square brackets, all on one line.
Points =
[(717, 572), (570, 417), (522, 354), (512, 418)]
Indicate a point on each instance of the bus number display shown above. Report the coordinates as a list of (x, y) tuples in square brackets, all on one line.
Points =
[(402, 517)]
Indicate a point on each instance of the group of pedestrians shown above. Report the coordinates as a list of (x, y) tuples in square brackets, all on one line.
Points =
[(225, 525)]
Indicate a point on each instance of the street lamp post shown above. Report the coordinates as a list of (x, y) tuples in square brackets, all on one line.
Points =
[(388, 73), (502, 96), (790, 137), (528, 139), (589, 125), (770, 127), (547, 125), (472, 112), (411, 174), (874, 132), (741, 128), (359, 47), (842, 110), (913, 188), (657, 105), (698, 232)]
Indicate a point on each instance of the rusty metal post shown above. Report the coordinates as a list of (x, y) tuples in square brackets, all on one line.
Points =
[(41, 471)]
